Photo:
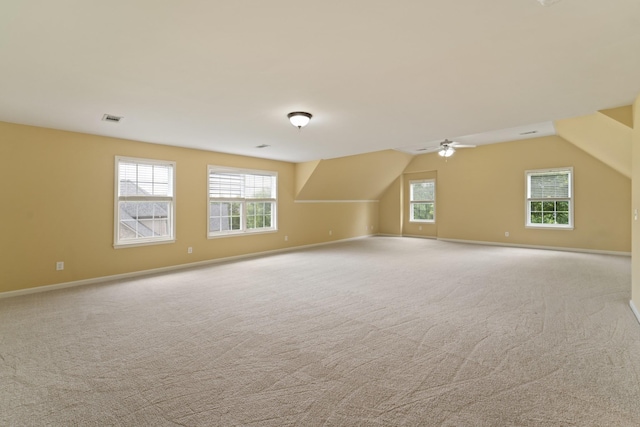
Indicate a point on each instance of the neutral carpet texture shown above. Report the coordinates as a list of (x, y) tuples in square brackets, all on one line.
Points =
[(377, 331)]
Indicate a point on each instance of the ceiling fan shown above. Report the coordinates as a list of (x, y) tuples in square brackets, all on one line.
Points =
[(447, 148)]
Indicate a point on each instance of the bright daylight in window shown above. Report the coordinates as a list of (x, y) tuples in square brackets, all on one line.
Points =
[(550, 198), (241, 201), (422, 200), (144, 201)]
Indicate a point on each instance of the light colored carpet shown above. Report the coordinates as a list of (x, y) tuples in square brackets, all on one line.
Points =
[(378, 331)]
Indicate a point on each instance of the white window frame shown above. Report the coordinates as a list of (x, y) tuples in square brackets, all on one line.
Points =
[(212, 169), (171, 198), (529, 199), (412, 202)]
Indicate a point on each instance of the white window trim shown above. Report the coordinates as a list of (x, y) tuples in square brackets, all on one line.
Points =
[(243, 231), (527, 199), (150, 241), (418, 181)]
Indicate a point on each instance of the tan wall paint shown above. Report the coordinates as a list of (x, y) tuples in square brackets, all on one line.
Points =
[(303, 173), (360, 177), (480, 195), (635, 256), (601, 136), (421, 229), (58, 205), (391, 209), (623, 115)]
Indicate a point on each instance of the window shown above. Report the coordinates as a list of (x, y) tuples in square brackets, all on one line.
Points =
[(422, 196), (550, 198), (241, 201), (144, 201)]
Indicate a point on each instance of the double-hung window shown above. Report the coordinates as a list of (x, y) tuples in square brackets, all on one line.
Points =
[(422, 196), (241, 201), (550, 198), (145, 200)]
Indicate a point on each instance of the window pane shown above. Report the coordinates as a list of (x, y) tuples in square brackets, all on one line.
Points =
[(536, 206), (562, 206), (259, 215), (422, 211), (548, 206), (144, 220), (224, 216), (536, 218), (562, 218)]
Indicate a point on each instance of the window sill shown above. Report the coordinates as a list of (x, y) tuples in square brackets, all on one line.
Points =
[(241, 233), (147, 243), (549, 227)]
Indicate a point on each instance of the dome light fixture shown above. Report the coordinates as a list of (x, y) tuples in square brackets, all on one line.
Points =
[(299, 119), (446, 151)]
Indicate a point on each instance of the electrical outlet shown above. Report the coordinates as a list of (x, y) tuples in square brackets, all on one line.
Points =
[(60, 265), (286, 238), (420, 227), (330, 232), (189, 250), (506, 234)]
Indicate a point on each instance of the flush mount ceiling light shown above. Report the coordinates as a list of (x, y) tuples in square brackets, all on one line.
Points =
[(299, 119)]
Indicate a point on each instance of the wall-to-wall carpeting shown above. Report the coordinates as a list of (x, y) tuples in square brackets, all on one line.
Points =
[(378, 331)]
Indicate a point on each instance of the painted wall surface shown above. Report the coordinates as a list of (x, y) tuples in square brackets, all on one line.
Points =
[(58, 205), (602, 136), (361, 177), (635, 255), (391, 209), (481, 195)]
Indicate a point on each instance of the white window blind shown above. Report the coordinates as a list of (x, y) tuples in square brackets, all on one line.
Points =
[(549, 185)]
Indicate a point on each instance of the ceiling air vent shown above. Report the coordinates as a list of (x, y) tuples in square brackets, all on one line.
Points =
[(531, 132), (111, 118), (263, 146)]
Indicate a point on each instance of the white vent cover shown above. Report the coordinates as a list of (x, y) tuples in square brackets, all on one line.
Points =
[(111, 118)]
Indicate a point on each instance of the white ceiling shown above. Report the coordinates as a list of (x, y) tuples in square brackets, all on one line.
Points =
[(222, 75)]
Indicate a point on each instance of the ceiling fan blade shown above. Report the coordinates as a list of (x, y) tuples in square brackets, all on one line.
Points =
[(456, 145)]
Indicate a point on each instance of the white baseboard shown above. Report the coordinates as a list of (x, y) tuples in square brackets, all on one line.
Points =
[(47, 288), (635, 310), (549, 248), (418, 236)]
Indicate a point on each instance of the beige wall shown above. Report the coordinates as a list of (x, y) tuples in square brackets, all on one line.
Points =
[(58, 197), (480, 195), (635, 258), (58, 205)]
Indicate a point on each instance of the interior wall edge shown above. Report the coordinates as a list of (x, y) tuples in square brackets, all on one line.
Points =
[(634, 310)]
